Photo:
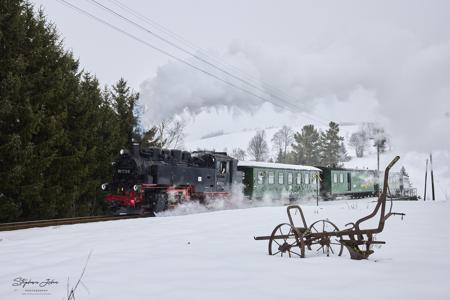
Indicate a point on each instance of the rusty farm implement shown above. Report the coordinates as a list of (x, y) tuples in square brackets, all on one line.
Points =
[(323, 236)]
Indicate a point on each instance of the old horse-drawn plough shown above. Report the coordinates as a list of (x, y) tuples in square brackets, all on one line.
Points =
[(323, 236)]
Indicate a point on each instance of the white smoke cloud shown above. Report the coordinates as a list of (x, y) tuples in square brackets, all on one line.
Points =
[(389, 65), (408, 85), (237, 200), (177, 88)]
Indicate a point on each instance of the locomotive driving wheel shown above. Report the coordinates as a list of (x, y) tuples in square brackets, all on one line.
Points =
[(160, 203), (285, 241), (322, 240)]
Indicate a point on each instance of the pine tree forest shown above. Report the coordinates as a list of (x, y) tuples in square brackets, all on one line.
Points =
[(59, 128)]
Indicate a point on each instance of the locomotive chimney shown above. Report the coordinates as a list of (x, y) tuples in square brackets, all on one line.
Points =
[(135, 149)]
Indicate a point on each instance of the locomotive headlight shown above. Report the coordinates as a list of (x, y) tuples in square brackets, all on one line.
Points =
[(104, 186), (122, 151), (136, 188)]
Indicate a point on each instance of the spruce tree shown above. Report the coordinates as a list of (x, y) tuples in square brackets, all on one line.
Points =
[(149, 138), (37, 78), (280, 157), (85, 137), (330, 144), (306, 150), (58, 133), (124, 102), (343, 155)]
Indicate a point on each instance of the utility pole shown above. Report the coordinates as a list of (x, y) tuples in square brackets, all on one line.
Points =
[(317, 195), (378, 158), (432, 177), (379, 143), (425, 189)]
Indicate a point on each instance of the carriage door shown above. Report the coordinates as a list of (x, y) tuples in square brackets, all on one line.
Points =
[(349, 181)]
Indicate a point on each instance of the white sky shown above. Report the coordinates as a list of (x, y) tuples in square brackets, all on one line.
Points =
[(386, 61)]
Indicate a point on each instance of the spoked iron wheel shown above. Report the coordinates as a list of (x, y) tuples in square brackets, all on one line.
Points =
[(319, 242), (285, 241)]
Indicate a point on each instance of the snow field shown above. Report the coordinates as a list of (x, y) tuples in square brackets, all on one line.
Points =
[(212, 255)]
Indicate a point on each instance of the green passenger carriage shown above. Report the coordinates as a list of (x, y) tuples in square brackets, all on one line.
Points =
[(355, 183), (275, 180)]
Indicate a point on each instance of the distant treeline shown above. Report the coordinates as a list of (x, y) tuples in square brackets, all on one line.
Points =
[(59, 129), (310, 146)]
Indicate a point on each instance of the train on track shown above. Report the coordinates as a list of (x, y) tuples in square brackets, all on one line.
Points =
[(151, 180)]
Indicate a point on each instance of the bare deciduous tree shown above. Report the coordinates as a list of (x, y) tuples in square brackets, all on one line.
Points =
[(358, 141), (281, 140), (257, 148), (170, 134), (238, 153)]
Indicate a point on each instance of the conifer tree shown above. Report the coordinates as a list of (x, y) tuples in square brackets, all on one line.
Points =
[(330, 144), (403, 171), (37, 78), (149, 138), (58, 133), (306, 148), (343, 155), (281, 157), (124, 102), (85, 135)]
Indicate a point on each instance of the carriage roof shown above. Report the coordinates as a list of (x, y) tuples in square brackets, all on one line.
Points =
[(259, 164)]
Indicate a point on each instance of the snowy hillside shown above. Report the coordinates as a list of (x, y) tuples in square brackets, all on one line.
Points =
[(213, 256), (229, 141), (240, 139), (414, 162)]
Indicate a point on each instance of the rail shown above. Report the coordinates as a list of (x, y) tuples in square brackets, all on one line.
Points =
[(65, 221)]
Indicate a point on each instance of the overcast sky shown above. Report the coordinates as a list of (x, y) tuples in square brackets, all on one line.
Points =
[(385, 61)]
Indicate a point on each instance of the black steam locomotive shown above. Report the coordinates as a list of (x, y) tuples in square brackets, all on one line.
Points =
[(153, 179)]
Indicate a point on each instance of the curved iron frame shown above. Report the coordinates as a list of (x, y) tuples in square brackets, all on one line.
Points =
[(352, 238)]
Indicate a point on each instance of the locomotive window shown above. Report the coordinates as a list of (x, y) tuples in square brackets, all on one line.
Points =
[(299, 178), (271, 178), (280, 178), (289, 178), (307, 178), (314, 178), (335, 178), (341, 177), (260, 178), (222, 167)]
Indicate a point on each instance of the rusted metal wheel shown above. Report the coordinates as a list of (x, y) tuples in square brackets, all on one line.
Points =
[(320, 242), (285, 241)]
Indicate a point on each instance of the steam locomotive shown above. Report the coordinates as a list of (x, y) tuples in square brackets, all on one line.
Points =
[(152, 180)]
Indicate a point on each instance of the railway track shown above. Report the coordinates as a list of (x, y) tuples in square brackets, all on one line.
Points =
[(65, 221)]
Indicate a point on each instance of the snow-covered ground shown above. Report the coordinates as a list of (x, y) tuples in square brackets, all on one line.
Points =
[(213, 255)]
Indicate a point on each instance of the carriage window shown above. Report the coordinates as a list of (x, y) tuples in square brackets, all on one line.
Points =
[(260, 178), (307, 178), (280, 178), (314, 178), (299, 178), (289, 178), (271, 178), (341, 177), (335, 178)]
